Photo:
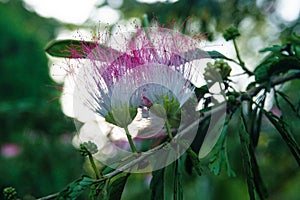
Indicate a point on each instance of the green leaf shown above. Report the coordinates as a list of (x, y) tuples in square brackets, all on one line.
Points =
[(286, 99), (215, 164), (256, 119), (74, 189), (193, 158), (256, 126), (81, 49), (97, 188), (284, 64), (219, 158), (69, 48), (274, 48), (276, 62), (296, 50), (178, 191), (216, 161), (254, 180), (197, 53), (285, 134), (117, 186), (216, 54), (213, 134), (261, 72), (200, 92), (157, 184), (245, 142)]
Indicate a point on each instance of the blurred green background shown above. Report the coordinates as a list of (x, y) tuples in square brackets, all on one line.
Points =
[(37, 156)]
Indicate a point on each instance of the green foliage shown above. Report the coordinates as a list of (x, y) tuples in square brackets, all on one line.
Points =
[(80, 49), (47, 172), (109, 189), (117, 186), (74, 189), (157, 184), (98, 190), (28, 102), (178, 191), (254, 180), (282, 128), (287, 101), (161, 176), (219, 155), (194, 159), (280, 60), (69, 48)]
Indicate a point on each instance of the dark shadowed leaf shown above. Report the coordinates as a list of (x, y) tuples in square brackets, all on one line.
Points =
[(117, 186), (256, 119), (280, 60), (194, 162), (254, 180), (157, 184), (274, 48), (280, 125), (200, 92), (287, 100), (219, 156)]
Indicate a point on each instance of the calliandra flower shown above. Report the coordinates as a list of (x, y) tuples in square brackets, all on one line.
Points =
[(140, 77), (160, 54)]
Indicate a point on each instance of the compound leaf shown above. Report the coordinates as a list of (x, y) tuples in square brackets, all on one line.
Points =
[(74, 189)]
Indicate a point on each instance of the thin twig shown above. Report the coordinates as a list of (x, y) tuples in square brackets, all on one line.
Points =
[(132, 146), (91, 159), (241, 62), (51, 196)]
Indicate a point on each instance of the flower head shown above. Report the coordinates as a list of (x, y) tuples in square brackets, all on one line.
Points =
[(151, 66), (142, 84)]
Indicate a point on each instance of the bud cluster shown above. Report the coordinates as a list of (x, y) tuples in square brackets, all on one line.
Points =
[(219, 68)]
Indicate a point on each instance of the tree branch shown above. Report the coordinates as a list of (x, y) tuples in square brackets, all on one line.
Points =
[(275, 81)]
